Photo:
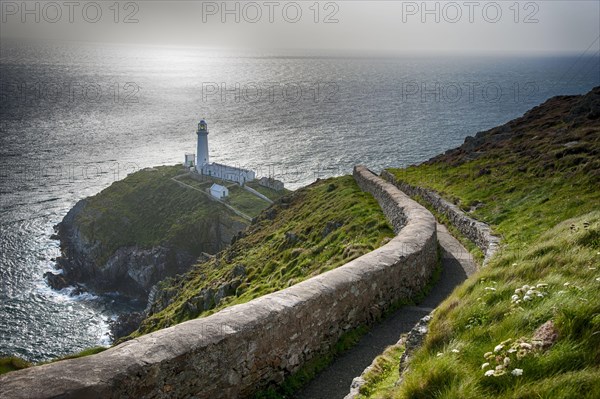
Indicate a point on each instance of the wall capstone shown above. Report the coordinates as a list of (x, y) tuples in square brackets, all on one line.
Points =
[(232, 352)]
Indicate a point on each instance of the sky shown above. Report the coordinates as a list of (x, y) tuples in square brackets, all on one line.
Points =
[(496, 27)]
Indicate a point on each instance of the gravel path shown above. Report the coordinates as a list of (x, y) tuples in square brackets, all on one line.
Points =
[(334, 382)]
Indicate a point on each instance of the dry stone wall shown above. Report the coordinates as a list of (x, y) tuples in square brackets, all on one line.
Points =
[(231, 353), (478, 232)]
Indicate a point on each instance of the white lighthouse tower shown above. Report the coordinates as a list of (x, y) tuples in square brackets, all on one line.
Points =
[(202, 151)]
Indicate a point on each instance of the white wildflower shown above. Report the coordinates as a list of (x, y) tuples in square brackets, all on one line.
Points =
[(527, 298), (597, 278), (517, 372), (498, 348), (567, 284), (489, 373), (455, 351), (485, 365), (514, 298), (439, 354), (525, 345), (518, 291), (529, 292), (540, 295), (490, 289), (488, 354), (514, 264), (541, 285), (506, 361), (511, 350)]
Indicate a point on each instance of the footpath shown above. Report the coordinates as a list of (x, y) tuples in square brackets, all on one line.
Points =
[(334, 382)]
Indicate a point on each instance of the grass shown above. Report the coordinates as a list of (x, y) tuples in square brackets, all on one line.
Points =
[(273, 195), (476, 318), (83, 353), (245, 201), (8, 364), (541, 196), (315, 229), (380, 380), (240, 199)]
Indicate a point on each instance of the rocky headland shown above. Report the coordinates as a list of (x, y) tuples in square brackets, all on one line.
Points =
[(138, 232)]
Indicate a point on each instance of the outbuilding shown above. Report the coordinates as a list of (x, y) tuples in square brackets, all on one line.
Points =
[(218, 191)]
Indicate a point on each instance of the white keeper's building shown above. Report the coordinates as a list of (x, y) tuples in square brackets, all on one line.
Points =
[(218, 191), (216, 170)]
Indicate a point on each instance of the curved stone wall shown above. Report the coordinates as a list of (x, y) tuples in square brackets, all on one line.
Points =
[(478, 232), (245, 346)]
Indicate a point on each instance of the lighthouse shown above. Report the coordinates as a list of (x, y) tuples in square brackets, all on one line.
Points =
[(216, 170), (202, 151)]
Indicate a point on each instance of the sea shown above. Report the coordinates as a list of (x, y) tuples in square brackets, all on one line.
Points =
[(75, 117)]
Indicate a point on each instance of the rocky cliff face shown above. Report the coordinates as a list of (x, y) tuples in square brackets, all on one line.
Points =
[(130, 270)]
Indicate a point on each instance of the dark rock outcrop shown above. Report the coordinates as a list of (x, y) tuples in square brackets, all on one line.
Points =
[(125, 324)]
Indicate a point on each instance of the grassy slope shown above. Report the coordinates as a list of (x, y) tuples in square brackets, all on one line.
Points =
[(245, 201), (274, 260), (536, 182), (267, 192), (239, 198)]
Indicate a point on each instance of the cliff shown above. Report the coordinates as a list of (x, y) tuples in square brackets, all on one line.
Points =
[(525, 325), (139, 231)]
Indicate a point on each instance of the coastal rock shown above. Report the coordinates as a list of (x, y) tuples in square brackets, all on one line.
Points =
[(56, 281), (131, 271), (546, 335), (125, 324)]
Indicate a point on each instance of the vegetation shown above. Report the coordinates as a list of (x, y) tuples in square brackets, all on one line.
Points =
[(84, 353), (381, 378), (527, 325), (245, 201), (315, 229), (239, 198), (267, 192), (12, 363)]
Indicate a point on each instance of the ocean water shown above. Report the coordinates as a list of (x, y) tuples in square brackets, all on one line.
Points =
[(76, 117)]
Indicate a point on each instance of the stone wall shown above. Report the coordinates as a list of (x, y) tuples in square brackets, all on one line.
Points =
[(478, 232), (258, 343)]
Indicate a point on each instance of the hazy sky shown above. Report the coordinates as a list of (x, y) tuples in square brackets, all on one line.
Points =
[(461, 26)]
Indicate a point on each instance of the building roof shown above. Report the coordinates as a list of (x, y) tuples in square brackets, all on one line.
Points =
[(227, 167), (218, 187)]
